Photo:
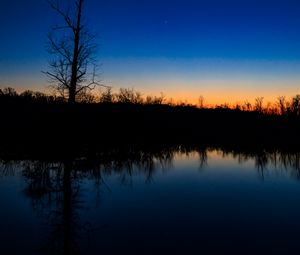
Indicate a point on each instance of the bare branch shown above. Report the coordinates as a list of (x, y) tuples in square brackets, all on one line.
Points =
[(74, 66), (64, 15), (56, 77)]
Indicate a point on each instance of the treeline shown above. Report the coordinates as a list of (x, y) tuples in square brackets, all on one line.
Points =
[(281, 106), (124, 95), (32, 122)]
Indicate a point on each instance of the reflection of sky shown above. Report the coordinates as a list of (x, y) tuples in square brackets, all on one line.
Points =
[(225, 202), (224, 50)]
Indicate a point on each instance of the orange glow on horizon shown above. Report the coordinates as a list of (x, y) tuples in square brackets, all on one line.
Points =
[(213, 93), (212, 98)]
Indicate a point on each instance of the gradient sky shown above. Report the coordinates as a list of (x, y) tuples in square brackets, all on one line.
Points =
[(226, 50)]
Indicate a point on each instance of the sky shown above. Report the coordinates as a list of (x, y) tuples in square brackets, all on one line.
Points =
[(227, 51)]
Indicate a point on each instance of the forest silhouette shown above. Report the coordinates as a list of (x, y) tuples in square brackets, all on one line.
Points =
[(33, 122)]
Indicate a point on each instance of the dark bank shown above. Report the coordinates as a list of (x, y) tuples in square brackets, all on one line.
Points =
[(43, 124)]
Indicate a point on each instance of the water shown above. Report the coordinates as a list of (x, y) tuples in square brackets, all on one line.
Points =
[(172, 202)]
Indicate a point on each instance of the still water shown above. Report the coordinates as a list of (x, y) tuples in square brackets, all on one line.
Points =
[(172, 202)]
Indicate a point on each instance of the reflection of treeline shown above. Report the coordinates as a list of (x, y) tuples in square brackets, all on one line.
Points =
[(33, 121), (146, 161), (264, 159), (55, 185)]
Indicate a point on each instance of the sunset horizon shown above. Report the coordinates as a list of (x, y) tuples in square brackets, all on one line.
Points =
[(211, 96), (227, 52)]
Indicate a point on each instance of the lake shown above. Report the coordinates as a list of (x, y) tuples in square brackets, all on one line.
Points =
[(176, 201)]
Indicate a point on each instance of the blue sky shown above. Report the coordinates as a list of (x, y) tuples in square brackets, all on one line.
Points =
[(224, 50)]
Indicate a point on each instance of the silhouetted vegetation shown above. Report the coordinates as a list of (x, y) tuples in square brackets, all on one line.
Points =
[(73, 65), (35, 121)]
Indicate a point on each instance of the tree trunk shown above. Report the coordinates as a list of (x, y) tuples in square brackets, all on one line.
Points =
[(72, 94), (74, 79), (67, 208)]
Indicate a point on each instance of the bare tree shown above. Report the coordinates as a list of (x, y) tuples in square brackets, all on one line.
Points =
[(201, 101), (282, 104), (259, 104), (295, 105), (247, 106), (73, 67)]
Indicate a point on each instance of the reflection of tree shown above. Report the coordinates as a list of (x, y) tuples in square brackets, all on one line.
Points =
[(261, 163), (291, 160), (280, 160), (202, 157), (7, 168), (55, 186), (55, 189)]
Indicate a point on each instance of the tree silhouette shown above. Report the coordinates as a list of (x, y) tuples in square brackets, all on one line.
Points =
[(73, 67)]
